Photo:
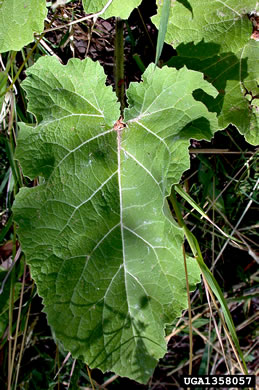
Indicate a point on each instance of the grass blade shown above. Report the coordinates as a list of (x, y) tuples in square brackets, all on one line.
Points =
[(211, 283), (162, 28), (202, 213)]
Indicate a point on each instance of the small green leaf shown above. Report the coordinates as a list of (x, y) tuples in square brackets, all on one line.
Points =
[(97, 232), (119, 8), (19, 20), (224, 22)]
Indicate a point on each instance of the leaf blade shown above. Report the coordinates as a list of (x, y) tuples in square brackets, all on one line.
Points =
[(99, 219), (162, 28), (224, 22), (118, 8), (18, 22)]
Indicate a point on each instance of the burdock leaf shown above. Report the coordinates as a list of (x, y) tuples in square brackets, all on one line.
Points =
[(97, 232), (119, 8), (235, 76), (19, 20), (224, 22)]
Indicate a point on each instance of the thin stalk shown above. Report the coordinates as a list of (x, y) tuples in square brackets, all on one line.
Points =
[(119, 64), (213, 226), (11, 301), (23, 342), (92, 16), (12, 284), (18, 318), (189, 311), (90, 377), (146, 30), (10, 61), (244, 371)]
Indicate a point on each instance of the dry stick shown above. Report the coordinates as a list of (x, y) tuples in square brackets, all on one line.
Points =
[(19, 317), (216, 151), (216, 327), (10, 269), (71, 373), (49, 50), (241, 236), (23, 342), (92, 16), (183, 365), (62, 365), (180, 220), (213, 226), (10, 334), (227, 185), (223, 323), (238, 222), (110, 380), (218, 351), (12, 286), (178, 329)]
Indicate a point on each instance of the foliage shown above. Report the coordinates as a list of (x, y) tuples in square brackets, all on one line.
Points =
[(104, 221), (218, 43), (224, 23), (120, 8), (236, 78), (18, 21)]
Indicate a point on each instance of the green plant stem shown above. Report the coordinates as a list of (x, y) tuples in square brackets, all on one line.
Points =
[(10, 61), (119, 64), (90, 377)]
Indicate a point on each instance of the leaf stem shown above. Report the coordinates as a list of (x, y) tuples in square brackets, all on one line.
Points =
[(119, 64)]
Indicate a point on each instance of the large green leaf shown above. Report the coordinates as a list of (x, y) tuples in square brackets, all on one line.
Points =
[(224, 22), (120, 8), (19, 19), (97, 232), (236, 77)]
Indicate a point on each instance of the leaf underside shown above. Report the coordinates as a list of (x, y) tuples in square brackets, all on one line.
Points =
[(97, 232), (19, 20)]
